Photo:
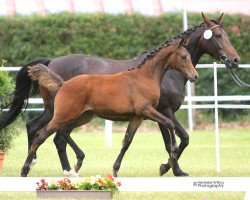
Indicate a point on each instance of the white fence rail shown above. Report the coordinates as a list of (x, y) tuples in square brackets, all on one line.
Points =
[(151, 184)]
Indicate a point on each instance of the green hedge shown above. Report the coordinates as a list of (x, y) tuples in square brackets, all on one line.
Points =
[(24, 38)]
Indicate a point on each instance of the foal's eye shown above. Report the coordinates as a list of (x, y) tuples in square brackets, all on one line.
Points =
[(218, 36), (184, 57)]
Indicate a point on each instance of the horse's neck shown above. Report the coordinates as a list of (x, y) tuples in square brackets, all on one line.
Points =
[(193, 45)]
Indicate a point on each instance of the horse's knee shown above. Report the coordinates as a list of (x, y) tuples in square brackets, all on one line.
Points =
[(169, 123)]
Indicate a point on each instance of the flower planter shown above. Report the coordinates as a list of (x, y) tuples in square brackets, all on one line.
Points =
[(89, 194), (2, 156)]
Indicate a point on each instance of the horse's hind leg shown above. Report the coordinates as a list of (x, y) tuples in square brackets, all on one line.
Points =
[(40, 138), (132, 128), (79, 153), (61, 145), (63, 137)]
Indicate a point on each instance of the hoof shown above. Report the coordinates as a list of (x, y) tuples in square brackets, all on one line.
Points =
[(164, 169), (71, 173), (77, 168), (179, 172)]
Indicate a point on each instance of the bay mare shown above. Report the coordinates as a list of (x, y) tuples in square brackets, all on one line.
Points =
[(172, 86), (131, 94)]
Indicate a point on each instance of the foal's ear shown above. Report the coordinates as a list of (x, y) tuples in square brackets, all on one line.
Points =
[(220, 18), (205, 19), (183, 42)]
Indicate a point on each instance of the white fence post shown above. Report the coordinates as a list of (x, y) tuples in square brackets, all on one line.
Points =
[(190, 108), (216, 118), (108, 133), (189, 92)]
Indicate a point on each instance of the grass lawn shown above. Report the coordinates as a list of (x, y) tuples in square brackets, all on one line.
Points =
[(143, 158)]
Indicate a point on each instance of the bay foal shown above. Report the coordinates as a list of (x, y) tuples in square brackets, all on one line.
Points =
[(131, 94)]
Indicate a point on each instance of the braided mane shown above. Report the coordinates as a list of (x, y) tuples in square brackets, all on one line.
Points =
[(152, 53)]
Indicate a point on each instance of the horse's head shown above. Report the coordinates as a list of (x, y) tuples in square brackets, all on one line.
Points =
[(180, 60), (215, 42)]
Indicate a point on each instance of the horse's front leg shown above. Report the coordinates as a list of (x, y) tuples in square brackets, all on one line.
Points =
[(172, 148), (184, 143), (133, 125), (40, 138)]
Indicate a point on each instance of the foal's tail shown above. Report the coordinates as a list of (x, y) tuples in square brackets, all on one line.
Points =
[(45, 77), (25, 88)]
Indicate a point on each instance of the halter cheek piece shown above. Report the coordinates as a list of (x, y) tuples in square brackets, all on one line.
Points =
[(207, 35)]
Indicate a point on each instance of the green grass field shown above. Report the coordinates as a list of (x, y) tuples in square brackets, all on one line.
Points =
[(143, 159)]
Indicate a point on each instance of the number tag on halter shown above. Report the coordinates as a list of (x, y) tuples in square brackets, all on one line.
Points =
[(208, 34)]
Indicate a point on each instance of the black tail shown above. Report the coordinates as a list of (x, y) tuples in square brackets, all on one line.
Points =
[(25, 87)]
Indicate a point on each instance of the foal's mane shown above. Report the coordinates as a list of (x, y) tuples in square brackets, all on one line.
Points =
[(153, 52)]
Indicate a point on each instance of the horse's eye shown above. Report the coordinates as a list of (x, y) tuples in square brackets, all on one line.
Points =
[(184, 57), (218, 36)]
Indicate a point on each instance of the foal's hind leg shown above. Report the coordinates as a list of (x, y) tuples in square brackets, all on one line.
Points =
[(40, 138), (35, 125), (132, 128)]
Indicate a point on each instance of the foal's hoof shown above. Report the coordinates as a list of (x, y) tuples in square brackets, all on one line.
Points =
[(115, 173), (164, 169), (25, 171)]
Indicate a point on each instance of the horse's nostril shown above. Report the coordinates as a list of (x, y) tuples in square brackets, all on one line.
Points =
[(196, 77)]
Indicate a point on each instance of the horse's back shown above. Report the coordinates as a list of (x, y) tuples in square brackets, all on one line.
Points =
[(76, 64)]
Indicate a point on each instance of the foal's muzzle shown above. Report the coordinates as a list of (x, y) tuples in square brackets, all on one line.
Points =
[(193, 78)]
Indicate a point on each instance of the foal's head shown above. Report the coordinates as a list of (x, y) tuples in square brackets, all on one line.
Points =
[(180, 60)]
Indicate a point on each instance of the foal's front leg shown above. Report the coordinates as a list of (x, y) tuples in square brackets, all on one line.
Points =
[(133, 125)]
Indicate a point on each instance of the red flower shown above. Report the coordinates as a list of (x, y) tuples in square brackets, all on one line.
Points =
[(119, 184), (111, 178)]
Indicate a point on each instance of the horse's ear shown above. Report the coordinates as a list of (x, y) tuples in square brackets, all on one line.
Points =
[(205, 19), (220, 18), (183, 42)]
